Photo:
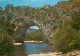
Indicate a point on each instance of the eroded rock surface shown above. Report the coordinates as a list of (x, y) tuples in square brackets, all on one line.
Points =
[(48, 18)]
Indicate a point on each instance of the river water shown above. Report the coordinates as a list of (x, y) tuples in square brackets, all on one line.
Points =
[(33, 48)]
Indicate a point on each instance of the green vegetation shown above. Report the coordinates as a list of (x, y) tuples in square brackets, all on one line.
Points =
[(63, 20), (76, 18), (6, 47), (6, 31), (66, 39), (36, 36)]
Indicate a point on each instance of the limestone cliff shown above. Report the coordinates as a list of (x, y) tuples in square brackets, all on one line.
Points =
[(48, 18)]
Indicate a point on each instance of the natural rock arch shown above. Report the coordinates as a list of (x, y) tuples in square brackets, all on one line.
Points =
[(22, 20), (47, 18)]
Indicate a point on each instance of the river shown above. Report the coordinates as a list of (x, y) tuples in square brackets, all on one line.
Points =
[(33, 48)]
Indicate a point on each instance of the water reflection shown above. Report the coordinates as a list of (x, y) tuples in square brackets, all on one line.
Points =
[(33, 48), (20, 50)]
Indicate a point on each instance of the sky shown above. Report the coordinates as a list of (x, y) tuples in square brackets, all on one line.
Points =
[(33, 3), (34, 27)]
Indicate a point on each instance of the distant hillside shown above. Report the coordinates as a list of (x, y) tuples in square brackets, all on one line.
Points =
[(30, 30), (36, 35)]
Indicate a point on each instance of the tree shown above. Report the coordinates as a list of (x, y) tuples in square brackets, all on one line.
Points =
[(66, 38), (6, 46), (76, 18), (6, 31)]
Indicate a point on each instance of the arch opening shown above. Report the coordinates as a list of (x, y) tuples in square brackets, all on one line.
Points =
[(34, 33)]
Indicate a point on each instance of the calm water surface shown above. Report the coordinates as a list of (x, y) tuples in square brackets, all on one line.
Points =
[(33, 48)]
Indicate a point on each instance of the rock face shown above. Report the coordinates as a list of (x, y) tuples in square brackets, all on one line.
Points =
[(48, 18)]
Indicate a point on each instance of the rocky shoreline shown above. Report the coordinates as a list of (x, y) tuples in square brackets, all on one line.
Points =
[(17, 43), (73, 53), (27, 42), (46, 54)]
